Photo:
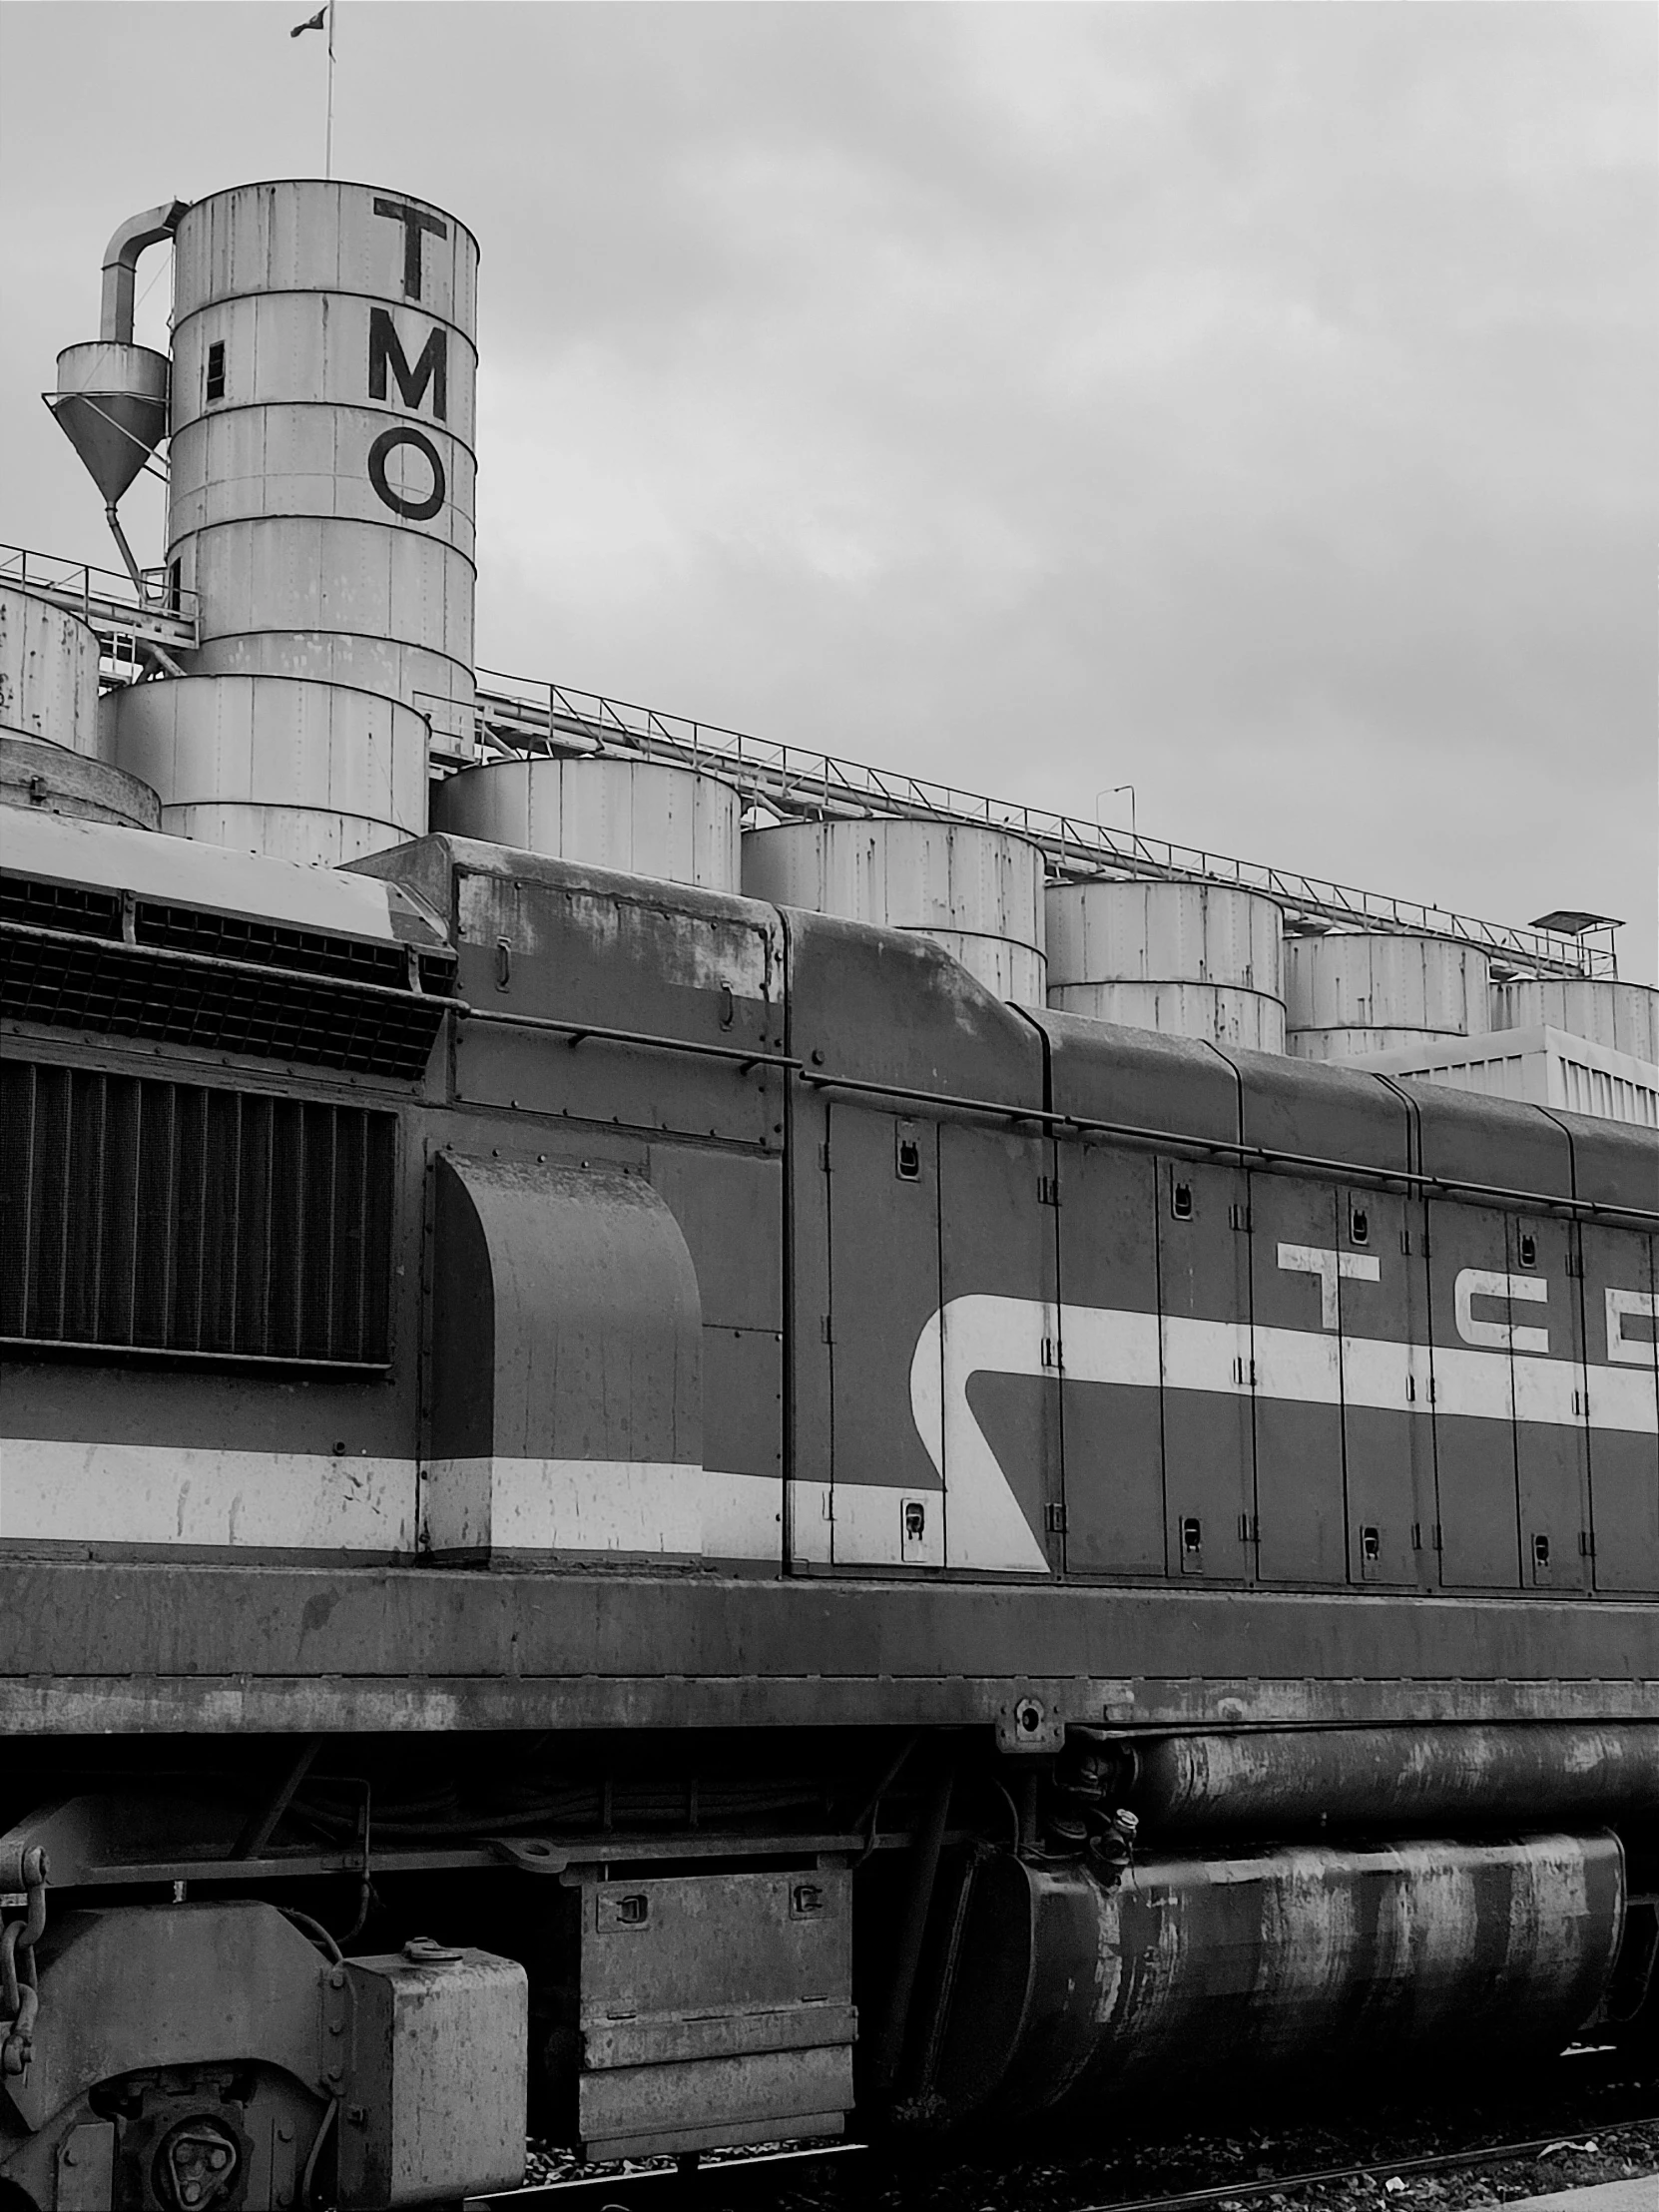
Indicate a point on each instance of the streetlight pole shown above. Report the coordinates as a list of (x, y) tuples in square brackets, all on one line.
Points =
[(1112, 793)]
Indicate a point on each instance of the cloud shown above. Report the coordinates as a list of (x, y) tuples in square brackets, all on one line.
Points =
[(1253, 403)]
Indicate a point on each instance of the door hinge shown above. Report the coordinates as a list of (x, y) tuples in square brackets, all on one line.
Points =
[(823, 1156), (1051, 1352), (1048, 1190), (1054, 1519), (1586, 1543), (1239, 1217), (1574, 1264), (823, 1329), (1250, 1529), (1244, 1372)]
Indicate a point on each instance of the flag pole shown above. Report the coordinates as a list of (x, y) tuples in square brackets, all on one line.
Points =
[(328, 134)]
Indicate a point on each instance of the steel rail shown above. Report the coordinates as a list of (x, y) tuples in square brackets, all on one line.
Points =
[(622, 2189), (1266, 1156), (1442, 2161), (593, 2188)]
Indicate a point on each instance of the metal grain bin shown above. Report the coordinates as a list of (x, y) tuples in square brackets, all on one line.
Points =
[(1190, 960), (304, 772), (48, 673), (322, 508), (1622, 1017), (642, 817), (324, 373), (48, 778), (975, 892), (1352, 995)]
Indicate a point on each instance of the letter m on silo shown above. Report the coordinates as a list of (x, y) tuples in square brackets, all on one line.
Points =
[(386, 352)]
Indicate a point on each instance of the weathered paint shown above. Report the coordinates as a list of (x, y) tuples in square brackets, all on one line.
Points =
[(1302, 1956)]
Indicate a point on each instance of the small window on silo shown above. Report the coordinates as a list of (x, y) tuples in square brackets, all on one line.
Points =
[(216, 370)]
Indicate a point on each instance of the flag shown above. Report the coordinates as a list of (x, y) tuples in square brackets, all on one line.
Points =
[(318, 22)]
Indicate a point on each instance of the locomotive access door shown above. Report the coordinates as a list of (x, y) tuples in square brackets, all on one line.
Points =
[(1474, 1435), (997, 1242), (1112, 1429), (884, 1502), (1621, 1277), (1295, 1374), (1387, 1431), (1552, 1473), (1209, 1450)]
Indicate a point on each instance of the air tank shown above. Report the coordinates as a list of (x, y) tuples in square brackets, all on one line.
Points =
[(48, 673), (1622, 1017), (321, 509), (977, 892), (1349, 994), (645, 817), (1191, 959)]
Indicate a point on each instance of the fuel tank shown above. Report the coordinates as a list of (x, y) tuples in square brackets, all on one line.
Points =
[(1070, 1989)]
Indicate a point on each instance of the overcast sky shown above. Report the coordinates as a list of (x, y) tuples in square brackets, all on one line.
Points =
[(1251, 402)]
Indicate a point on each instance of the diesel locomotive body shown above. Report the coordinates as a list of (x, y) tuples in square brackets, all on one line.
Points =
[(637, 1511)]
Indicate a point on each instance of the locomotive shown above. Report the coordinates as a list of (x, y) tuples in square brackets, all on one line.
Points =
[(642, 1514)]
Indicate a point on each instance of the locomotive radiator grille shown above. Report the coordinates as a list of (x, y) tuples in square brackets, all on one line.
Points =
[(171, 1217), (74, 960)]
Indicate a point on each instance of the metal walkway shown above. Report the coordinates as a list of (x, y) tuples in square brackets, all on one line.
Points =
[(129, 624), (525, 719)]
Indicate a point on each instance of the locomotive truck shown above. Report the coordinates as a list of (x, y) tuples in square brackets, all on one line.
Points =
[(639, 1514)]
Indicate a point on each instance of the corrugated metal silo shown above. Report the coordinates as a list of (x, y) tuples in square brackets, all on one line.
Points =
[(48, 673), (977, 892), (322, 507), (642, 817), (1367, 991), (1622, 1017), (1191, 959)]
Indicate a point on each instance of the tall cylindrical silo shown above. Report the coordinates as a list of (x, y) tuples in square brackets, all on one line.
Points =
[(976, 891), (1191, 959), (646, 817), (48, 673), (1622, 1017), (322, 510), (1367, 991)]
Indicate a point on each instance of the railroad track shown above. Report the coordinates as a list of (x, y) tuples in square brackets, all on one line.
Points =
[(754, 2182)]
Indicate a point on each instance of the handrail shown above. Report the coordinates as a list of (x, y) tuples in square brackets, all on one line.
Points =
[(577, 1032), (800, 784), (1253, 1155)]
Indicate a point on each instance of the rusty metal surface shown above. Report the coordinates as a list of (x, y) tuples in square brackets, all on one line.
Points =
[(132, 1987), (1289, 1956), (437, 2052), (139, 1645), (709, 2002), (1394, 1778)]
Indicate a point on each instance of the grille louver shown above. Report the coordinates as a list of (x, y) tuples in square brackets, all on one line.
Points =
[(170, 1217), (182, 975)]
